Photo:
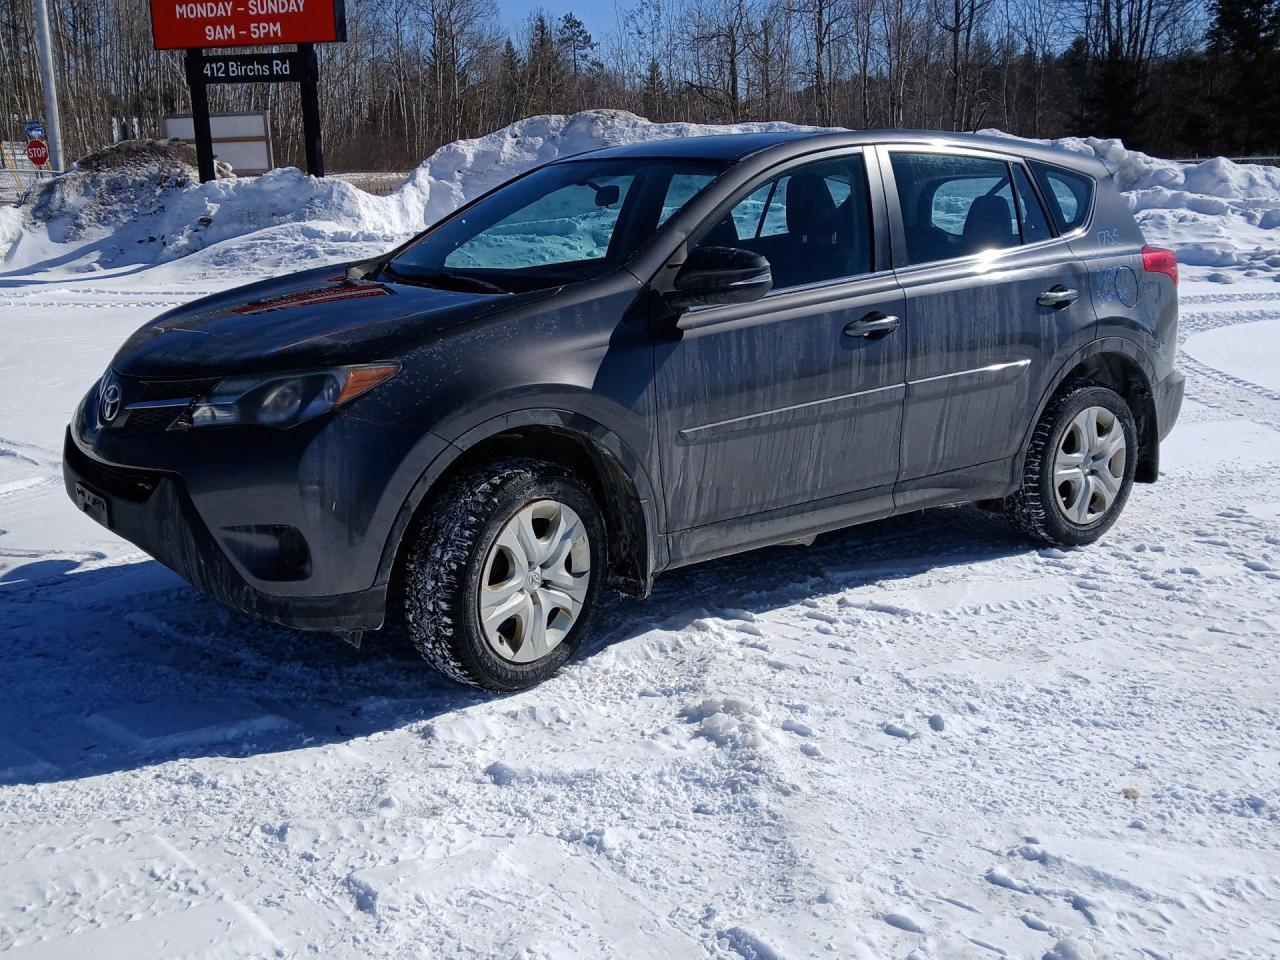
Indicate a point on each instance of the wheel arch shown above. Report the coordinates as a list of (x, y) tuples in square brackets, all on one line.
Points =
[(1122, 365), (590, 450)]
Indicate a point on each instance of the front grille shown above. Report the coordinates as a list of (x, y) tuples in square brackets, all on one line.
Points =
[(152, 418), (137, 391), (170, 389), (126, 483)]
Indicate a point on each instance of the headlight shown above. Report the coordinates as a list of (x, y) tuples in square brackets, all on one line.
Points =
[(284, 399)]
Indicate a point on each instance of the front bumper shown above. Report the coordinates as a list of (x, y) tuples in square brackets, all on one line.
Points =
[(153, 510)]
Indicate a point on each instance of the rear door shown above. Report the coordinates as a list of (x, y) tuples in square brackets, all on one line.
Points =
[(993, 297), (781, 402)]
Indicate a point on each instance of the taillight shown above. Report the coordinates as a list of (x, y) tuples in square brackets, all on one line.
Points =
[(1160, 260)]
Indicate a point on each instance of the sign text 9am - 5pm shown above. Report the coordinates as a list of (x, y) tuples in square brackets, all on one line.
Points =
[(187, 24)]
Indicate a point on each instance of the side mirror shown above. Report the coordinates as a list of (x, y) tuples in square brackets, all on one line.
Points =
[(716, 275), (607, 196)]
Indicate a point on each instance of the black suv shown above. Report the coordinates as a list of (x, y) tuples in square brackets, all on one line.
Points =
[(635, 359)]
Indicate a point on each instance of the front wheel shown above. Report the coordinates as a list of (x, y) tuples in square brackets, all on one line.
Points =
[(1078, 469), (504, 573)]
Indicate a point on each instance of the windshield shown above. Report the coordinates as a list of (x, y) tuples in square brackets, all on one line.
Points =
[(562, 223)]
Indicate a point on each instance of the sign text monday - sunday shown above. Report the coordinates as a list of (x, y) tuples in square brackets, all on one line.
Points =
[(190, 24)]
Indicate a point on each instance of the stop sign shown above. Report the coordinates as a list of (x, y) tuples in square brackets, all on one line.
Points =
[(37, 152)]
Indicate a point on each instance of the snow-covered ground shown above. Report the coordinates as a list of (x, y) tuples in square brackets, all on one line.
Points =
[(919, 738)]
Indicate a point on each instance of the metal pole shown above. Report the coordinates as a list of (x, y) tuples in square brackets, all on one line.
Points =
[(194, 63), (311, 110), (44, 45)]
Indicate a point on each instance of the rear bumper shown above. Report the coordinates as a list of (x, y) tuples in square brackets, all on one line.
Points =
[(153, 510), (1167, 394)]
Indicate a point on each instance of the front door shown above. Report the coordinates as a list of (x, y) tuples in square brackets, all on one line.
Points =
[(796, 397)]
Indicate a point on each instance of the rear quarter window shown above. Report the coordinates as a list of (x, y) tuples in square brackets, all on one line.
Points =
[(1070, 194)]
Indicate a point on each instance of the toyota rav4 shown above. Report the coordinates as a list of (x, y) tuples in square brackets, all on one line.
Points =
[(640, 358)]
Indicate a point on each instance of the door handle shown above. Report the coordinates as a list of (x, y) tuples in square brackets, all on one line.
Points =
[(1058, 297), (872, 325)]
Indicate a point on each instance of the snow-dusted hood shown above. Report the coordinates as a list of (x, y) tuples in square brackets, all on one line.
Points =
[(314, 318)]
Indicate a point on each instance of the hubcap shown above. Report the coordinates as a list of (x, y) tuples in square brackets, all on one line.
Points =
[(535, 581), (1088, 468)]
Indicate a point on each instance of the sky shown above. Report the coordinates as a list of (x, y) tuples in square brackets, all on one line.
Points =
[(600, 16)]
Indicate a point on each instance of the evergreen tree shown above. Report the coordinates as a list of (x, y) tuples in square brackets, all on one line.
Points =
[(545, 68), (576, 42), (1244, 42), (655, 92), (512, 89)]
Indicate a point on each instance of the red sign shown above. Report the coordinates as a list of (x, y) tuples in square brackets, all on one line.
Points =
[(183, 24), (37, 152)]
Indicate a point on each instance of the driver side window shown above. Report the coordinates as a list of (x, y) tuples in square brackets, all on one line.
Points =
[(812, 223)]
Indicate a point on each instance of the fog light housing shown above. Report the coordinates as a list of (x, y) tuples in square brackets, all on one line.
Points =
[(294, 553), (269, 551)]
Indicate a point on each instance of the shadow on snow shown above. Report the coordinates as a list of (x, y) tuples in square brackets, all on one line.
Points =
[(126, 666)]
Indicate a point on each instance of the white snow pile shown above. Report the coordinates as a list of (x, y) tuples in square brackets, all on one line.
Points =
[(1215, 214), (110, 188), (287, 215)]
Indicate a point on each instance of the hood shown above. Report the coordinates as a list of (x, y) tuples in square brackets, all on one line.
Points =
[(309, 319)]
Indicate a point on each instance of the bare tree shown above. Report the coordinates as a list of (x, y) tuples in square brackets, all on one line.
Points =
[(414, 74)]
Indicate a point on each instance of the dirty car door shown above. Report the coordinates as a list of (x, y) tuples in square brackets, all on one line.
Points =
[(993, 299), (798, 396)]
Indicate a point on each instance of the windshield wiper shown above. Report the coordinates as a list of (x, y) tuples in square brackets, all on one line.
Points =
[(482, 286), (444, 281)]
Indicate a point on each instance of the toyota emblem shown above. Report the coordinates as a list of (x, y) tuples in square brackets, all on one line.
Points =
[(110, 402)]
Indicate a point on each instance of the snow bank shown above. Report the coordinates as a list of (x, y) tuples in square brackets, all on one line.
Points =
[(94, 221), (1215, 214), (289, 217), (461, 170), (10, 226)]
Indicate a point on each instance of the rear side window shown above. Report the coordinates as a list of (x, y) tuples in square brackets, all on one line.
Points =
[(954, 206), (1070, 194), (1034, 225)]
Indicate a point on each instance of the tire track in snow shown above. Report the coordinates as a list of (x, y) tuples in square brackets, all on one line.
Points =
[(1216, 298), (96, 304), (1191, 323), (1217, 389)]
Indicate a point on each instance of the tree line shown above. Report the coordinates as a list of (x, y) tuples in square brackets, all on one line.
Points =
[(1168, 76)]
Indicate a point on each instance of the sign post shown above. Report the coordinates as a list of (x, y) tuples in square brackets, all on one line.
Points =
[(200, 114), (193, 25), (311, 111)]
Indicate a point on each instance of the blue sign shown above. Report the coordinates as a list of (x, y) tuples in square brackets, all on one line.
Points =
[(34, 130)]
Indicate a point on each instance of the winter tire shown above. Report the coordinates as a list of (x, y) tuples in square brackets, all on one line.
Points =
[(504, 573), (1078, 469)]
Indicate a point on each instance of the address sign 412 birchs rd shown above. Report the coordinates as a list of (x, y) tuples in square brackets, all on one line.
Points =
[(195, 25)]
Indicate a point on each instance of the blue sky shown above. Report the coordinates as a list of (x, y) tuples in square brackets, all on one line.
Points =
[(600, 16)]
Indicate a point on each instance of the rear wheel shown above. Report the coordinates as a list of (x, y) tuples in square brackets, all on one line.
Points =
[(1078, 469), (504, 574)]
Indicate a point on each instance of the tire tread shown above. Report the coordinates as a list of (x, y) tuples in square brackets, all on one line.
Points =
[(438, 557), (1026, 508)]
